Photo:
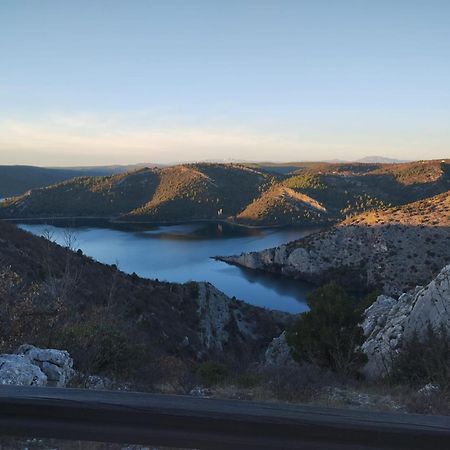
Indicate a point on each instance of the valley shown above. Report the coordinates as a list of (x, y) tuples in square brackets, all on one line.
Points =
[(209, 273), (116, 323), (244, 201), (183, 253)]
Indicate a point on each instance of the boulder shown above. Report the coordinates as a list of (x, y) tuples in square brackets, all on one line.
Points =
[(18, 370), (98, 383), (57, 365)]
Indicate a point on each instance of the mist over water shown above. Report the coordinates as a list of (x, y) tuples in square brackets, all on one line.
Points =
[(182, 253)]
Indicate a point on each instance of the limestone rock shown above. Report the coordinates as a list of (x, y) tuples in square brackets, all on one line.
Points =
[(97, 382), (278, 352), (214, 315), (376, 315), (355, 399), (57, 365), (429, 389), (390, 322), (18, 370), (200, 391), (227, 325), (360, 256)]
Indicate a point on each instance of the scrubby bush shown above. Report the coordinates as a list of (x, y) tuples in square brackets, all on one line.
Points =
[(367, 301), (193, 289), (247, 380), (329, 335), (305, 181), (211, 372), (303, 383), (424, 360), (103, 349)]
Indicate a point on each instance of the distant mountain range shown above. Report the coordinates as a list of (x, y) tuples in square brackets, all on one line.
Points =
[(370, 160), (381, 160)]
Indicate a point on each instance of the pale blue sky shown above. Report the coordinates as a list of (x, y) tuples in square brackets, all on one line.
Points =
[(102, 82)]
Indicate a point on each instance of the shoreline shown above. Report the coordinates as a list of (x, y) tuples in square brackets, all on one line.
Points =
[(113, 221)]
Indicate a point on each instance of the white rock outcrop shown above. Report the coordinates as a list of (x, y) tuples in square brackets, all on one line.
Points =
[(33, 366), (56, 364), (389, 321), (278, 352), (215, 313), (227, 324), (19, 371)]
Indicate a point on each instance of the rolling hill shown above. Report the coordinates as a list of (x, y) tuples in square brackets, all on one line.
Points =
[(313, 193), (201, 191), (283, 206)]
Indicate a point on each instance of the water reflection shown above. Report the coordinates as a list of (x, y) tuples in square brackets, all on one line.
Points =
[(182, 253)]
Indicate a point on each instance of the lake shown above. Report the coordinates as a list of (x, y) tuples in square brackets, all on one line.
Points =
[(182, 253)]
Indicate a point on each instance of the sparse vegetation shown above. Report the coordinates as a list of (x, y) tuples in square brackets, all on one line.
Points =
[(211, 373), (328, 335), (313, 194), (113, 324), (424, 360)]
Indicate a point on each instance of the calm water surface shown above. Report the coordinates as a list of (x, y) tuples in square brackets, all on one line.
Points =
[(183, 253)]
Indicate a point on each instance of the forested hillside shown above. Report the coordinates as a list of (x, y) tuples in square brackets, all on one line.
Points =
[(309, 193)]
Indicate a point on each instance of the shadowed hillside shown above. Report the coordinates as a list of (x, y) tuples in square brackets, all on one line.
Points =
[(15, 180), (87, 196), (114, 323)]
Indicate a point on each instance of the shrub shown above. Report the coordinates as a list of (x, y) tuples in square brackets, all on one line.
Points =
[(247, 380), (423, 361), (193, 289), (103, 349), (329, 335), (211, 373), (366, 302)]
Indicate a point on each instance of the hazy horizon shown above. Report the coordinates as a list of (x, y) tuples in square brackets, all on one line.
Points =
[(110, 82), (218, 161)]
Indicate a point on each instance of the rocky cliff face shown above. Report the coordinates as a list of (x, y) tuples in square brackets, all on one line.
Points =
[(226, 324), (390, 321)]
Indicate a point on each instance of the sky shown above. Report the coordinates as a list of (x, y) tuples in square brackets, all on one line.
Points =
[(91, 82)]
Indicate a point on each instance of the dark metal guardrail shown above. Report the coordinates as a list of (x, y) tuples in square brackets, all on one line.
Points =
[(190, 422)]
